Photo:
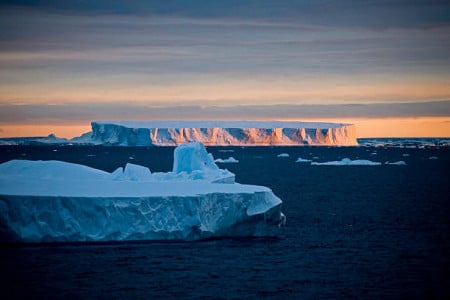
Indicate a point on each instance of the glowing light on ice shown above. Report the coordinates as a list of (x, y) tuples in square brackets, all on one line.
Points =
[(169, 133)]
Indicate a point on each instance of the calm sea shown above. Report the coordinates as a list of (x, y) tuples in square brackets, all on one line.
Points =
[(353, 232)]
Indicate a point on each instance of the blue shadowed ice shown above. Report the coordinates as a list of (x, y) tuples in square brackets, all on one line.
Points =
[(47, 201)]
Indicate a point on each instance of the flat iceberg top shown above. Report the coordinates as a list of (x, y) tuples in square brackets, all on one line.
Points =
[(222, 124), (194, 173), (118, 189)]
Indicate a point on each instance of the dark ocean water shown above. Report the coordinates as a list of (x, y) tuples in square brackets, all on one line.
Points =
[(353, 232)]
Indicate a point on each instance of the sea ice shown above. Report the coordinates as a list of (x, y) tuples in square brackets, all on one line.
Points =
[(398, 163), (302, 160), (348, 162), (50, 201), (230, 159), (283, 155)]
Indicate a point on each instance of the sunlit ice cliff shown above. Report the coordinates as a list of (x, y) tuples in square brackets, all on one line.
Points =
[(219, 133), (55, 201)]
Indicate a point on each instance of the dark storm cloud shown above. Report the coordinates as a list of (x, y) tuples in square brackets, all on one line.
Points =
[(67, 113)]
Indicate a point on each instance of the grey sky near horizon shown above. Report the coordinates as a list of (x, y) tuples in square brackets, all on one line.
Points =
[(84, 112)]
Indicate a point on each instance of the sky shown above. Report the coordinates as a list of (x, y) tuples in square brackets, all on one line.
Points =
[(382, 65)]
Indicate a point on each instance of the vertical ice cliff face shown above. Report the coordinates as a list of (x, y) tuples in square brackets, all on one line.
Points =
[(172, 133), (120, 135)]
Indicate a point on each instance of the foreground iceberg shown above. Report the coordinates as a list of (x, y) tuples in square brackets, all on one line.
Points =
[(50, 201), (219, 133)]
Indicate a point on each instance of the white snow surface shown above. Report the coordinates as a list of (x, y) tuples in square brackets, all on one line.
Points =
[(47, 201), (348, 162), (223, 124), (168, 133)]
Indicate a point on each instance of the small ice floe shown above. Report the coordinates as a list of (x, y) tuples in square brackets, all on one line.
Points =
[(226, 150), (302, 160), (405, 154), (348, 162), (226, 160), (397, 163), (55, 150), (131, 157), (433, 157), (283, 155), (373, 153)]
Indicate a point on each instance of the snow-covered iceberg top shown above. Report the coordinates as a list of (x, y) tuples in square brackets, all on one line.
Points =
[(46, 201), (223, 124), (168, 133)]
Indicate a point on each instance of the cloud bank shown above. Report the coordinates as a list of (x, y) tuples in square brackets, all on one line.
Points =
[(84, 112), (224, 52)]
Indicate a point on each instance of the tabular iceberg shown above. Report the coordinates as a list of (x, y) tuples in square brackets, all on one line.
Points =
[(51, 201), (219, 133)]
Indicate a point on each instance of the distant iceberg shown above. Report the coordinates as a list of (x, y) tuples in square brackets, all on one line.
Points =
[(210, 133), (348, 162), (397, 163), (218, 133), (52, 201), (230, 159), (51, 139), (412, 143), (302, 160)]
